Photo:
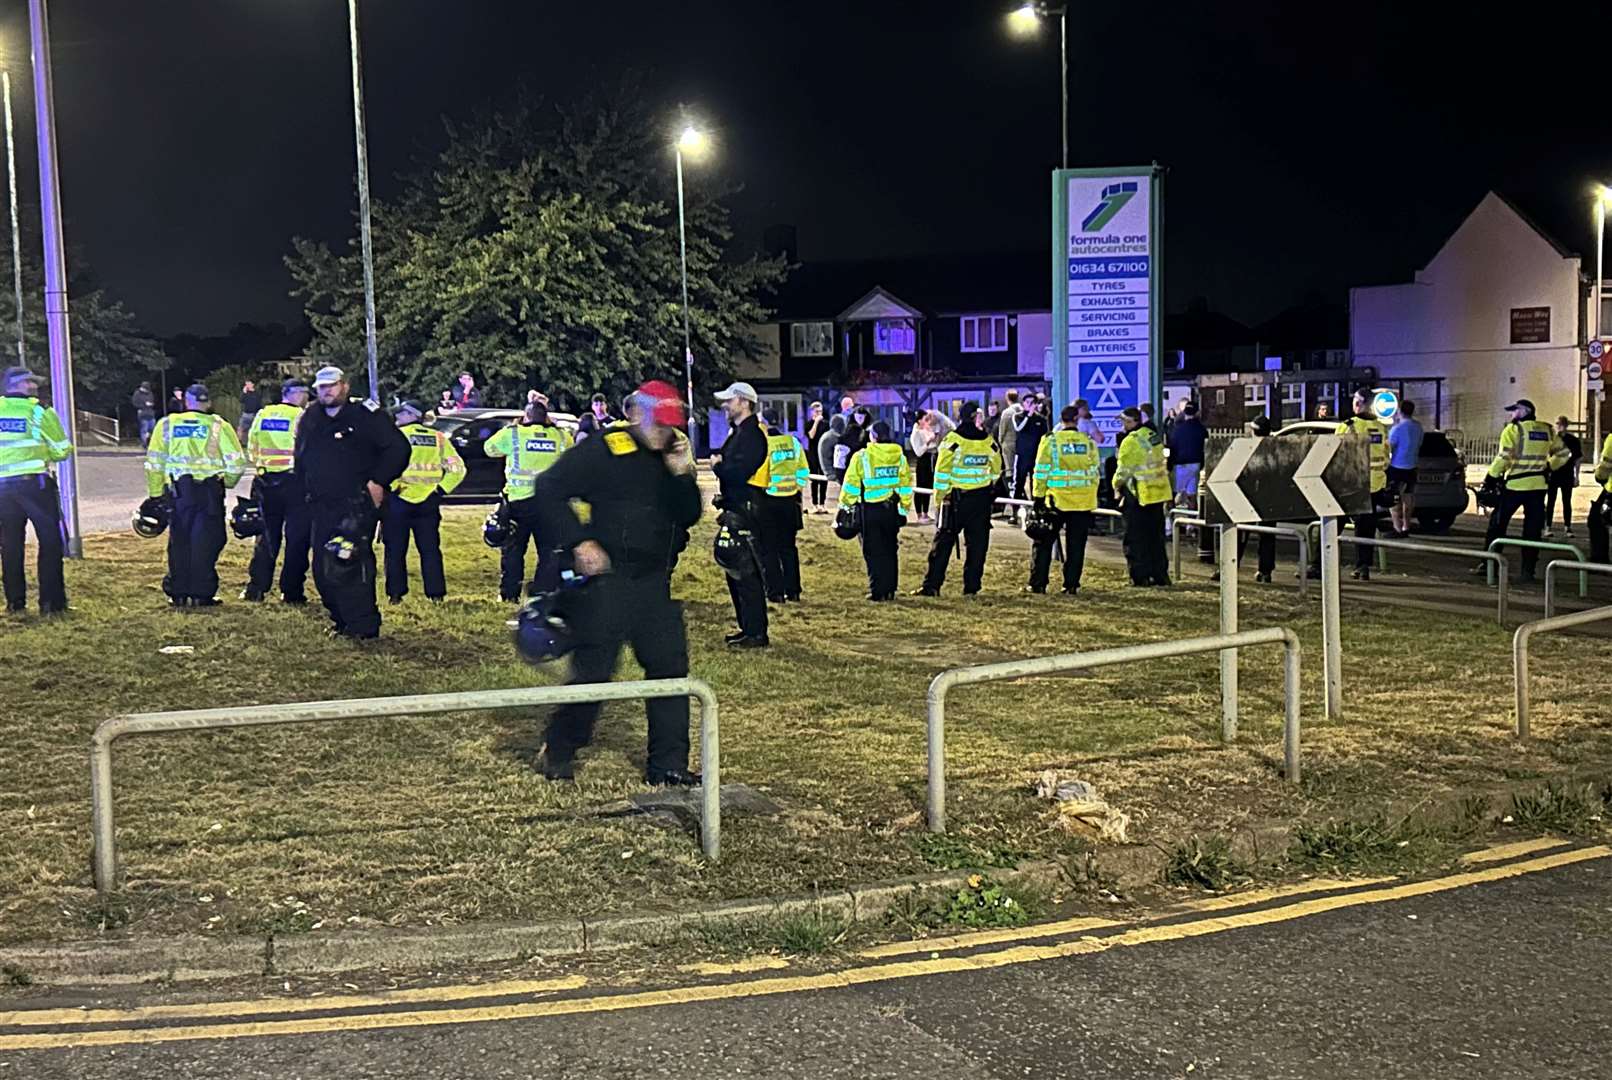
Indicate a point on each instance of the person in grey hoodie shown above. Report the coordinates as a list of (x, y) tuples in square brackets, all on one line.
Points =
[(826, 450)]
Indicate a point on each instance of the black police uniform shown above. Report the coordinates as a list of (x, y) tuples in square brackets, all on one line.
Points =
[(639, 513), (744, 452), (335, 457), (965, 514), (24, 499), (285, 515)]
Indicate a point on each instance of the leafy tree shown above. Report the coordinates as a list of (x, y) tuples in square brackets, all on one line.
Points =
[(111, 354), (540, 249)]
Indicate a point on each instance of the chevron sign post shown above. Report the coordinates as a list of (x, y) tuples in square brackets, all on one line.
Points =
[(1255, 480)]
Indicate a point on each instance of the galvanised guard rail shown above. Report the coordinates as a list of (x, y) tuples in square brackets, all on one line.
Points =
[(1183, 516), (1496, 561), (1581, 568), (1076, 662), (1544, 545), (109, 731), (1519, 652)]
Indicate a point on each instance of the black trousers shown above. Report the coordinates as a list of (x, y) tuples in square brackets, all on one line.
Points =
[(615, 609), (1561, 482), (1532, 505), (926, 479), (1365, 529), (777, 523), (25, 499), (819, 492), (196, 538), (526, 529), (881, 526), (966, 514), (1600, 523), (749, 591), (401, 519), (1266, 548), (347, 590), (1074, 526), (1144, 542), (285, 515)]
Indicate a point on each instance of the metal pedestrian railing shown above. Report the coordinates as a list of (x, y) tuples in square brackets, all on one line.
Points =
[(1519, 653), (103, 429), (1183, 516), (1496, 561), (108, 732), (1543, 545), (1078, 662), (1580, 568)]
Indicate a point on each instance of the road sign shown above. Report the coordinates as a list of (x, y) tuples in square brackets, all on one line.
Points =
[(1287, 478), (1596, 349), (1595, 384), (1385, 405), (1595, 370)]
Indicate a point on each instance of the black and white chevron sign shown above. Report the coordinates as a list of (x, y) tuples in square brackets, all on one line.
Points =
[(1286, 478)]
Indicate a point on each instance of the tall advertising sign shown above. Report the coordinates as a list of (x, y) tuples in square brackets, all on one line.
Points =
[(1106, 304)]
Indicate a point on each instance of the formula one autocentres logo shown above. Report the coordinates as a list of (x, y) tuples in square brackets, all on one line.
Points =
[(1115, 196)]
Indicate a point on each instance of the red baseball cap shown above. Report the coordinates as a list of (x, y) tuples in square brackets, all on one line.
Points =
[(663, 402)]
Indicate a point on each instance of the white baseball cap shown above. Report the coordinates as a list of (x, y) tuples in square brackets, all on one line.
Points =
[(328, 376), (740, 390)]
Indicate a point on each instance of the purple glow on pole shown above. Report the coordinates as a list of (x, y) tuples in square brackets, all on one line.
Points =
[(56, 323)]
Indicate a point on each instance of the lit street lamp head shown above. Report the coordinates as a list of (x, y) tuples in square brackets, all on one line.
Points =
[(693, 142), (1026, 19)]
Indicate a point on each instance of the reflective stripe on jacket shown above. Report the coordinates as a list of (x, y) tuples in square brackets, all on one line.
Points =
[(271, 444), (876, 474), (966, 464), (530, 450), (1528, 450), (199, 445), (1377, 433), (1141, 467), (1067, 471), (433, 464), (785, 471), (31, 437)]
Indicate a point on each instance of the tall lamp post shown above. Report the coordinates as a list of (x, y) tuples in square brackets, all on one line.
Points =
[(56, 327), (365, 244), (1026, 21), (695, 143), (1603, 199), (16, 227)]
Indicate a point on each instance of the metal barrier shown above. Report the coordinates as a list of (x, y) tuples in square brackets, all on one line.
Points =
[(1075, 662), (1493, 558), (104, 429), (1519, 652), (1101, 511), (109, 731), (1581, 568), (1183, 516), (1544, 545)]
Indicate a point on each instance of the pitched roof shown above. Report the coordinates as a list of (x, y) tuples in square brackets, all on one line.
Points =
[(938, 285)]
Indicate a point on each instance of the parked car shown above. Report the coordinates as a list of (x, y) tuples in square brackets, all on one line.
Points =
[(469, 430), (1441, 491)]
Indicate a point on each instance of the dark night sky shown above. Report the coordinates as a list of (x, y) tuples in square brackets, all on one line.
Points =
[(1310, 146)]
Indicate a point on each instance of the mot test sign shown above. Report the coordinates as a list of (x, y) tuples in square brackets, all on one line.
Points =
[(1107, 290)]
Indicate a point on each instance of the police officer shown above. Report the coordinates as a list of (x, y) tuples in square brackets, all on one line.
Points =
[(1365, 425), (1601, 511), (967, 469), (347, 455), (193, 458), (271, 448), (879, 482), (1067, 471), (415, 506), (1142, 482), (779, 483), (741, 455), (1529, 450), (639, 485), (528, 448), (31, 439)]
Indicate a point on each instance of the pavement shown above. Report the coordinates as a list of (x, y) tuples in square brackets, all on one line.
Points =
[(1498, 970)]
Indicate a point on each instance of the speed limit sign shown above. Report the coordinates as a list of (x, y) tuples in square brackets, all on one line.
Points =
[(1596, 349)]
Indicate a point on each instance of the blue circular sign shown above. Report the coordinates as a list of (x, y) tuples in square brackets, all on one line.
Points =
[(1385, 404)]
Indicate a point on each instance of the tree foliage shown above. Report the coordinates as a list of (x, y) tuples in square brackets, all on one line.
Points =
[(540, 249)]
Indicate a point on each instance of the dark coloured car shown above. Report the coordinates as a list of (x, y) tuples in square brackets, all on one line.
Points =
[(1441, 491), (469, 430)]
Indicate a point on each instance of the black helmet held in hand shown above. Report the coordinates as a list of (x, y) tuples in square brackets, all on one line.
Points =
[(847, 526), (246, 520), (150, 520)]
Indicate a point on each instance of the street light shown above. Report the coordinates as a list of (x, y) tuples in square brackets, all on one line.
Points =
[(1603, 200), (16, 227), (1025, 21), (694, 143), (364, 242)]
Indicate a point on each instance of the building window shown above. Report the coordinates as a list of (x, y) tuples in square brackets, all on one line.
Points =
[(811, 339), (1256, 401), (985, 333), (1293, 401), (894, 337)]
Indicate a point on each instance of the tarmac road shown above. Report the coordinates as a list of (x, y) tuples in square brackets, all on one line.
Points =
[(1500, 972)]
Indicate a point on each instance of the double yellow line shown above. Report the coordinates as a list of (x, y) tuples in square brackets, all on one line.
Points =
[(1208, 920)]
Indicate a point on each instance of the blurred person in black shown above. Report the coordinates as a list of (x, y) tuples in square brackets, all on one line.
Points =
[(347, 455), (741, 455), (638, 481)]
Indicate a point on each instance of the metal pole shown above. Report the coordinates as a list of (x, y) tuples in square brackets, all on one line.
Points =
[(1594, 400), (16, 228), (365, 243), (1063, 50), (56, 322), (1290, 719), (682, 247), (1331, 620), (1228, 625)]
